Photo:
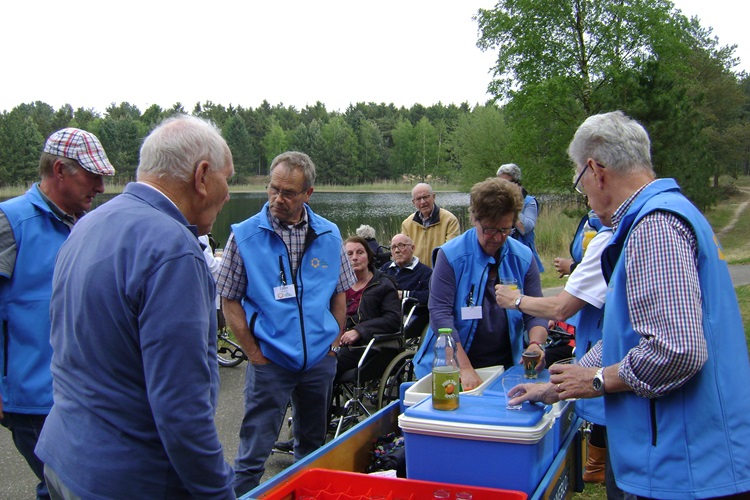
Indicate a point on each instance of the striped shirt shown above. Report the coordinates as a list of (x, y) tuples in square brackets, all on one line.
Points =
[(232, 282), (664, 300)]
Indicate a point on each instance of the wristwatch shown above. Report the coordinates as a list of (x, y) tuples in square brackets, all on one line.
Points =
[(334, 349), (598, 382), (517, 303), (535, 342)]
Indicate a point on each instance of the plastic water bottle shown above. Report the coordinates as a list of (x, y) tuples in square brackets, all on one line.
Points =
[(445, 372)]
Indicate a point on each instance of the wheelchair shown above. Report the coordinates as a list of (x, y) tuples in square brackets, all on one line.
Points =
[(385, 363)]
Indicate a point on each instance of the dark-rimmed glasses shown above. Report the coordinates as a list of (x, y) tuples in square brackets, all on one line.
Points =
[(398, 246), (494, 231), (579, 189), (287, 194)]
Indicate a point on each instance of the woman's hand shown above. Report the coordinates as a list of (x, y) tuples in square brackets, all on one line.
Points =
[(506, 297), (470, 379)]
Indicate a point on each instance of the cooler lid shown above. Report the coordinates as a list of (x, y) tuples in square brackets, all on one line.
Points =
[(480, 410), (480, 418)]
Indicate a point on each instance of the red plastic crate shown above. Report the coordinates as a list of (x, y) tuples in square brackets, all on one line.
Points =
[(325, 484)]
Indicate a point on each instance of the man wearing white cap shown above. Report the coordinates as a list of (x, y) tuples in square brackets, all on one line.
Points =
[(33, 227)]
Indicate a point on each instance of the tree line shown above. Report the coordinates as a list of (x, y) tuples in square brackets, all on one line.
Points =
[(558, 62)]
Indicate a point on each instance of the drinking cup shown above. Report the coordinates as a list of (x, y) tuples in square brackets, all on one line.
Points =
[(530, 360)]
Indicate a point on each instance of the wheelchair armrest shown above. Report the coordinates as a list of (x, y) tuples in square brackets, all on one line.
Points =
[(383, 337)]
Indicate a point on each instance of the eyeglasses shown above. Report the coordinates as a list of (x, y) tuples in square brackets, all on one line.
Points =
[(422, 198), (287, 194), (399, 246), (494, 231), (576, 186)]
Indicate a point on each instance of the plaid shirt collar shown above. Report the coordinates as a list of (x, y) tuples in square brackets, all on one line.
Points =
[(623, 209)]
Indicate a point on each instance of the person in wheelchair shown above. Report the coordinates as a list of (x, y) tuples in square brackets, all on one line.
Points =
[(372, 305), (412, 280)]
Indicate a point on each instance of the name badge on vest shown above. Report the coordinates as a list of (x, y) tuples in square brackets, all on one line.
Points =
[(284, 292), (471, 312)]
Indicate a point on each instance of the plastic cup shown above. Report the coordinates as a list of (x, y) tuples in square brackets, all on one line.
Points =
[(509, 382), (530, 360), (510, 282)]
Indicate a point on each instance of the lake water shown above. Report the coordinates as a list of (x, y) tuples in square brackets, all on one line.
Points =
[(382, 211)]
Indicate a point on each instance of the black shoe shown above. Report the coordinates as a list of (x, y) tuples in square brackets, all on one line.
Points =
[(285, 446)]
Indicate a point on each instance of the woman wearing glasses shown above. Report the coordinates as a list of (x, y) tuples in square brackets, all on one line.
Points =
[(462, 289)]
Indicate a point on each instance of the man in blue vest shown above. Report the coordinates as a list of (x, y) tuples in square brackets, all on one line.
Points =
[(527, 218), (33, 226), (672, 365), (283, 282)]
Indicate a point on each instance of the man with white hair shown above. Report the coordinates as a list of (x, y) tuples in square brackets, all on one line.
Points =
[(133, 315), (672, 365), (430, 226)]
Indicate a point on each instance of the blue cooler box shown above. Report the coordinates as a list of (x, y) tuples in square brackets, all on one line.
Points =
[(562, 411), (479, 444)]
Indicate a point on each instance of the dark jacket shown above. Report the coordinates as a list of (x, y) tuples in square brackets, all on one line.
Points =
[(413, 279), (379, 309)]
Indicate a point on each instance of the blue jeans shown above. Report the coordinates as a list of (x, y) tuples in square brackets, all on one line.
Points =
[(26, 429), (268, 389)]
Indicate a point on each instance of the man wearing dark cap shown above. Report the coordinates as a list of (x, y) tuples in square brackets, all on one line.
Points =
[(33, 227)]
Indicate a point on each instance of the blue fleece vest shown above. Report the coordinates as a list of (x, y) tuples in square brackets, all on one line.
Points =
[(471, 266), (294, 333), (588, 332), (24, 304), (692, 442), (529, 239), (576, 246)]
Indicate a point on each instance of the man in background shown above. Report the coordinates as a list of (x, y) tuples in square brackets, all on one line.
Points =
[(412, 278), (526, 222), (283, 282), (430, 226), (33, 226), (133, 313)]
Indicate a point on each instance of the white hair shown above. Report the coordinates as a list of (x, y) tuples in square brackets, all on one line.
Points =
[(366, 232), (176, 146), (510, 169)]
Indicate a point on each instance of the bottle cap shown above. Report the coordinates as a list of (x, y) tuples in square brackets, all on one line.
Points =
[(445, 330)]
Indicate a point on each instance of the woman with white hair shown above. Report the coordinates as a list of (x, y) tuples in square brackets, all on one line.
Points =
[(527, 218)]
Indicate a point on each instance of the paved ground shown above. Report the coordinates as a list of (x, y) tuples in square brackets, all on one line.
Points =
[(17, 482)]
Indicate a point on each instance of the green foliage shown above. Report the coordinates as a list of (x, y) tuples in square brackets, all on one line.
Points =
[(20, 147), (275, 141), (122, 138), (559, 62), (340, 164), (480, 143), (238, 140)]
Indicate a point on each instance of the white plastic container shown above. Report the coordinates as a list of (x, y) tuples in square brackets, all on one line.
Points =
[(423, 387)]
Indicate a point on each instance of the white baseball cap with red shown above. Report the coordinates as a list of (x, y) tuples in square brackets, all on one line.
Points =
[(81, 146)]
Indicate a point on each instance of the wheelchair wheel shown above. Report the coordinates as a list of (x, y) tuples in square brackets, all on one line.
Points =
[(399, 370), (229, 353)]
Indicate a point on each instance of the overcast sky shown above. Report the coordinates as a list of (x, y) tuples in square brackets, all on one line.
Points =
[(296, 52)]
